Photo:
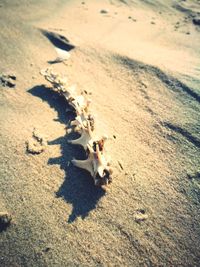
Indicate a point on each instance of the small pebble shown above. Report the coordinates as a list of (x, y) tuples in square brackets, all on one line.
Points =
[(140, 216), (5, 220), (104, 11)]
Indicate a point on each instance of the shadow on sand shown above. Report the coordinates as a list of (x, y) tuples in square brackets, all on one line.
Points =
[(78, 187), (171, 82)]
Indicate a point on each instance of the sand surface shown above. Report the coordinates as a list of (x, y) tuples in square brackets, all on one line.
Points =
[(140, 60)]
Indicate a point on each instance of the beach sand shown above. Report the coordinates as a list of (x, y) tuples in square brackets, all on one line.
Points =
[(140, 62)]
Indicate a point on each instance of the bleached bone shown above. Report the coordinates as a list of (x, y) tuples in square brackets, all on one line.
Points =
[(81, 121), (100, 143), (60, 85), (79, 104), (96, 165), (85, 139), (59, 82)]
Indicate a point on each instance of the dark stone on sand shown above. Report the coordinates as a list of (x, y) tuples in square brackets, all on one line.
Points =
[(196, 21), (46, 249), (104, 11)]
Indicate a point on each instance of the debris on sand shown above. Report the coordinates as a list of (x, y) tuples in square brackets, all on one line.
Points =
[(7, 80), (34, 147), (5, 220), (140, 216), (37, 143), (144, 83), (132, 19), (120, 165)]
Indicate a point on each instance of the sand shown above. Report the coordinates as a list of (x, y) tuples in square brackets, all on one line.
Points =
[(140, 62)]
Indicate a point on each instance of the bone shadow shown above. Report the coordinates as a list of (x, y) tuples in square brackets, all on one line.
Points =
[(78, 187), (4, 227), (58, 40), (54, 61)]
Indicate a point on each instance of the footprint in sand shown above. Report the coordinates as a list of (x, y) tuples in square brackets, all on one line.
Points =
[(7, 80)]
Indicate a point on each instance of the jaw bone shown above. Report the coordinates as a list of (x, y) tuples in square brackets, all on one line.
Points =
[(96, 165)]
